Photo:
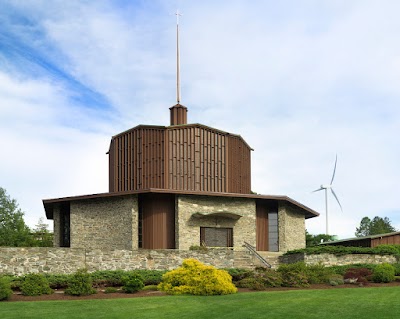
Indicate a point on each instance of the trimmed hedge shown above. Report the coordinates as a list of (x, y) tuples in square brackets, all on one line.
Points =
[(343, 250)]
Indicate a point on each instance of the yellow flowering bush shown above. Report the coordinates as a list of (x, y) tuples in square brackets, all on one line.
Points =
[(195, 278)]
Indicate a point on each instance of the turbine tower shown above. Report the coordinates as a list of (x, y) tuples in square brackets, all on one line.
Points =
[(326, 187)]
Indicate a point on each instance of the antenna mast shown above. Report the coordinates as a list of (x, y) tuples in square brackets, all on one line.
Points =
[(178, 82)]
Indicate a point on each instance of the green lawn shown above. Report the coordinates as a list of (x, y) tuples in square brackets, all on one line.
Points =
[(351, 303)]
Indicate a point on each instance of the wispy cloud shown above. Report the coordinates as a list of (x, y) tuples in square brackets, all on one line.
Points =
[(299, 80)]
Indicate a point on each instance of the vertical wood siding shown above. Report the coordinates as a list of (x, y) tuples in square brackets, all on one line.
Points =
[(137, 160), (386, 240), (261, 227), (158, 224), (196, 159), (239, 166), (193, 158)]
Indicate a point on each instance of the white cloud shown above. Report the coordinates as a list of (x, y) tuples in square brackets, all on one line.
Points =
[(300, 81)]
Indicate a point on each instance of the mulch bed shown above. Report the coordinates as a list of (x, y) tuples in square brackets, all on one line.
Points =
[(59, 295)]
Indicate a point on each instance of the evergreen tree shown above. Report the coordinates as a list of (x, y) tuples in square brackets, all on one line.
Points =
[(376, 226)]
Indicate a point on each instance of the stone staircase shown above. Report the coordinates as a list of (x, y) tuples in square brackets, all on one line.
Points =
[(246, 259)]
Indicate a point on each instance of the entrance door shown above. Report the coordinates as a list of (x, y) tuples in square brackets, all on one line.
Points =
[(216, 237)]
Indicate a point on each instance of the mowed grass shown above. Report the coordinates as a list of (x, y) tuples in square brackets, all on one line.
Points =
[(352, 303)]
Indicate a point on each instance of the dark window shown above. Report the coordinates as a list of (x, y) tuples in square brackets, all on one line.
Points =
[(140, 227), (216, 237), (65, 232), (273, 237)]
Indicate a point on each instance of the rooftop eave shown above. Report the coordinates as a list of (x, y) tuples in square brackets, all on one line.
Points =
[(49, 203)]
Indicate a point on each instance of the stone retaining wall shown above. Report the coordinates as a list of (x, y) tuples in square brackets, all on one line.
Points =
[(19, 261), (338, 260)]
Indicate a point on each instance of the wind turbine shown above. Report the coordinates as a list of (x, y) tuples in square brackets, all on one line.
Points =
[(326, 187)]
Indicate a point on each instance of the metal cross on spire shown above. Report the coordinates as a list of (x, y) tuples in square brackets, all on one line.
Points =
[(178, 81)]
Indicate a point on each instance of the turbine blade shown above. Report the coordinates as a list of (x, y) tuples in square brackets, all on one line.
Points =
[(337, 199), (334, 171), (317, 190)]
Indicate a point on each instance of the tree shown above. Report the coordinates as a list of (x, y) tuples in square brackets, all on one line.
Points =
[(314, 240), (42, 237), (376, 226), (13, 230)]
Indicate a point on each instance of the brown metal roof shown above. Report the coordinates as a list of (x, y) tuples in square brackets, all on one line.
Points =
[(49, 203)]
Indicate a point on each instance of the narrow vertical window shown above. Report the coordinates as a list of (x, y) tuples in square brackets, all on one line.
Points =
[(65, 227)]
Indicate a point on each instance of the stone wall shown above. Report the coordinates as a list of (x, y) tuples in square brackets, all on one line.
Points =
[(193, 212), (339, 260), (56, 226), (106, 223), (291, 227), (20, 261)]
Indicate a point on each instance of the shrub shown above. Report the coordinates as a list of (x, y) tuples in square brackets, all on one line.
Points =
[(343, 250), (151, 277), (115, 278), (150, 287), (251, 283), (199, 248), (363, 275), (57, 281), (261, 279), (5, 288), (294, 275), (110, 290), (335, 280), (105, 278), (396, 269), (132, 283), (384, 273), (238, 274), (195, 278), (341, 270), (318, 274), (80, 284), (35, 285)]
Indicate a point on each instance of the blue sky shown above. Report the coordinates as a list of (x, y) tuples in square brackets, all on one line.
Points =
[(301, 81)]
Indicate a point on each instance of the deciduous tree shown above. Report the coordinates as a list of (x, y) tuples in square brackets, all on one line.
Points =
[(13, 230)]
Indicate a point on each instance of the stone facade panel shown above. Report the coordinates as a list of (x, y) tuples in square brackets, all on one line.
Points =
[(193, 212), (291, 228), (108, 223)]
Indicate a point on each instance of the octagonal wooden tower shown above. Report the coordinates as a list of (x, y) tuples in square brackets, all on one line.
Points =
[(187, 157)]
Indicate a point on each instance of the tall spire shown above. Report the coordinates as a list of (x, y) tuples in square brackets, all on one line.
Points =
[(178, 113), (178, 81)]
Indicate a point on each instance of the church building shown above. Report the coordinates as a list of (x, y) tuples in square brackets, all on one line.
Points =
[(177, 186)]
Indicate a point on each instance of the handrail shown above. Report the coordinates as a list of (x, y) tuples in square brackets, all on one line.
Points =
[(255, 253)]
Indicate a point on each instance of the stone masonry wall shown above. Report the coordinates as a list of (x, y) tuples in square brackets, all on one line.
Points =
[(20, 261), (56, 223), (188, 223), (291, 227), (338, 260), (108, 223)]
